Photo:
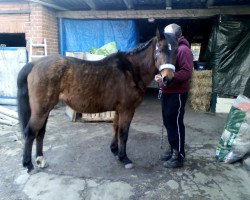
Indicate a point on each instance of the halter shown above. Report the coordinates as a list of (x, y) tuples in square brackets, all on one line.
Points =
[(167, 66), (164, 66)]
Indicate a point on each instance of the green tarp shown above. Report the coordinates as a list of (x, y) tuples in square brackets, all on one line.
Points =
[(228, 55)]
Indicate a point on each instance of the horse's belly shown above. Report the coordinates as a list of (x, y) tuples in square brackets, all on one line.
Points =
[(90, 108), (88, 104)]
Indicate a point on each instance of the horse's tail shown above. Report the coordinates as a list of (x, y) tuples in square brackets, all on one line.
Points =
[(23, 103)]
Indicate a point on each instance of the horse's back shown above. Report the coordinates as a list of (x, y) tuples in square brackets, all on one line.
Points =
[(49, 64), (85, 86)]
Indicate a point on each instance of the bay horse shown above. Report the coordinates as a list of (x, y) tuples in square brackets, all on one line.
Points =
[(115, 83)]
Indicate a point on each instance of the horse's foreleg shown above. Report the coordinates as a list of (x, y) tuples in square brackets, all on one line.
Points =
[(40, 161), (114, 142), (124, 124)]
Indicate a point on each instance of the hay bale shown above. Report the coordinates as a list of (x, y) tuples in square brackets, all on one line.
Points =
[(200, 90)]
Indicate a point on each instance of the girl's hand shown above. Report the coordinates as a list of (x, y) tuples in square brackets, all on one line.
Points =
[(158, 78)]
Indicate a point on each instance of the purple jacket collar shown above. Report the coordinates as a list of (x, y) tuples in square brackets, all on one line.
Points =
[(183, 40)]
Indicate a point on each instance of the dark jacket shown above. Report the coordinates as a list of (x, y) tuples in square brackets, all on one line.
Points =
[(183, 69)]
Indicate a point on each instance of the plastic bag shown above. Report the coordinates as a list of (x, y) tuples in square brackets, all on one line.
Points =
[(234, 143), (105, 50)]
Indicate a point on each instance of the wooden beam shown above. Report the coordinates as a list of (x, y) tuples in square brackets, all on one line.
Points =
[(129, 4), (91, 4), (156, 14)]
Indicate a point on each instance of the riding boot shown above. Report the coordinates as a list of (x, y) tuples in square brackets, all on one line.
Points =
[(175, 161), (166, 155)]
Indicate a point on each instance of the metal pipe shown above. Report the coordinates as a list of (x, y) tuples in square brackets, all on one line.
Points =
[(15, 12)]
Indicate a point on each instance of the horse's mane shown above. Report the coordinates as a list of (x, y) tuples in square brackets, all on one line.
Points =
[(140, 47)]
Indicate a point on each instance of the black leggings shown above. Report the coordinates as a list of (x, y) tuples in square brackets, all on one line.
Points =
[(173, 109)]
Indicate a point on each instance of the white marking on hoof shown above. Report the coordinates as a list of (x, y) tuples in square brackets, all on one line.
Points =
[(41, 162), (129, 166)]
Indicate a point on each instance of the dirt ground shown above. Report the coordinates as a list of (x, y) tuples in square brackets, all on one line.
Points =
[(81, 165)]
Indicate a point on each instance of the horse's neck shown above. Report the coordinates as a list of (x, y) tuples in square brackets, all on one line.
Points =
[(146, 63)]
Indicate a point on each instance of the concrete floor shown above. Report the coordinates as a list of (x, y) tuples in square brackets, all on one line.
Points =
[(81, 165)]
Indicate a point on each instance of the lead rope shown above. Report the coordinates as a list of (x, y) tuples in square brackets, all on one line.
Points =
[(159, 97)]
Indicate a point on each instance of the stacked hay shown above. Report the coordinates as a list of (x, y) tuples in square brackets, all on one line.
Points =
[(200, 90)]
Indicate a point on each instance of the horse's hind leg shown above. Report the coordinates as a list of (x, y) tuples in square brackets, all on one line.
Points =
[(31, 132), (114, 142), (125, 119), (29, 139), (40, 161)]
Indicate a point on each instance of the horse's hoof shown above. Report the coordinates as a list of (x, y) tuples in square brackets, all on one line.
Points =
[(28, 165), (126, 162), (30, 168), (129, 166), (41, 162)]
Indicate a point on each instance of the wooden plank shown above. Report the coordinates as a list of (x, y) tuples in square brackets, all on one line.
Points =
[(8, 117), (10, 120), (6, 122), (157, 14), (99, 117), (8, 112)]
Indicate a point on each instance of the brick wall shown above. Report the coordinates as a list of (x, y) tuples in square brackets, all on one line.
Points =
[(43, 24), (36, 21), (50, 30)]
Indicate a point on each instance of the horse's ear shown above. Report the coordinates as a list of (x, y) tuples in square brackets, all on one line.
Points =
[(158, 35)]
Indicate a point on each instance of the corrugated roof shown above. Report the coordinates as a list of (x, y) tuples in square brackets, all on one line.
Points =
[(85, 5)]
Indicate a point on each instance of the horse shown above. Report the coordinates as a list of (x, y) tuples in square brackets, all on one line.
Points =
[(115, 83)]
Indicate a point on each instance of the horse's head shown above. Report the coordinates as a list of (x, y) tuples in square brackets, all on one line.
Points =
[(165, 54)]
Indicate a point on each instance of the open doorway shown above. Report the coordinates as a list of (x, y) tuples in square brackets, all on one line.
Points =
[(195, 30), (12, 40)]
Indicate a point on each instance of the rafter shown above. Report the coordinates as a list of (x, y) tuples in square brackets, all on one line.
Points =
[(210, 3), (48, 4), (91, 4), (156, 14), (129, 4), (168, 4)]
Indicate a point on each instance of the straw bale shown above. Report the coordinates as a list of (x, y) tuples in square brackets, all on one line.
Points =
[(201, 82), (202, 74), (200, 90)]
